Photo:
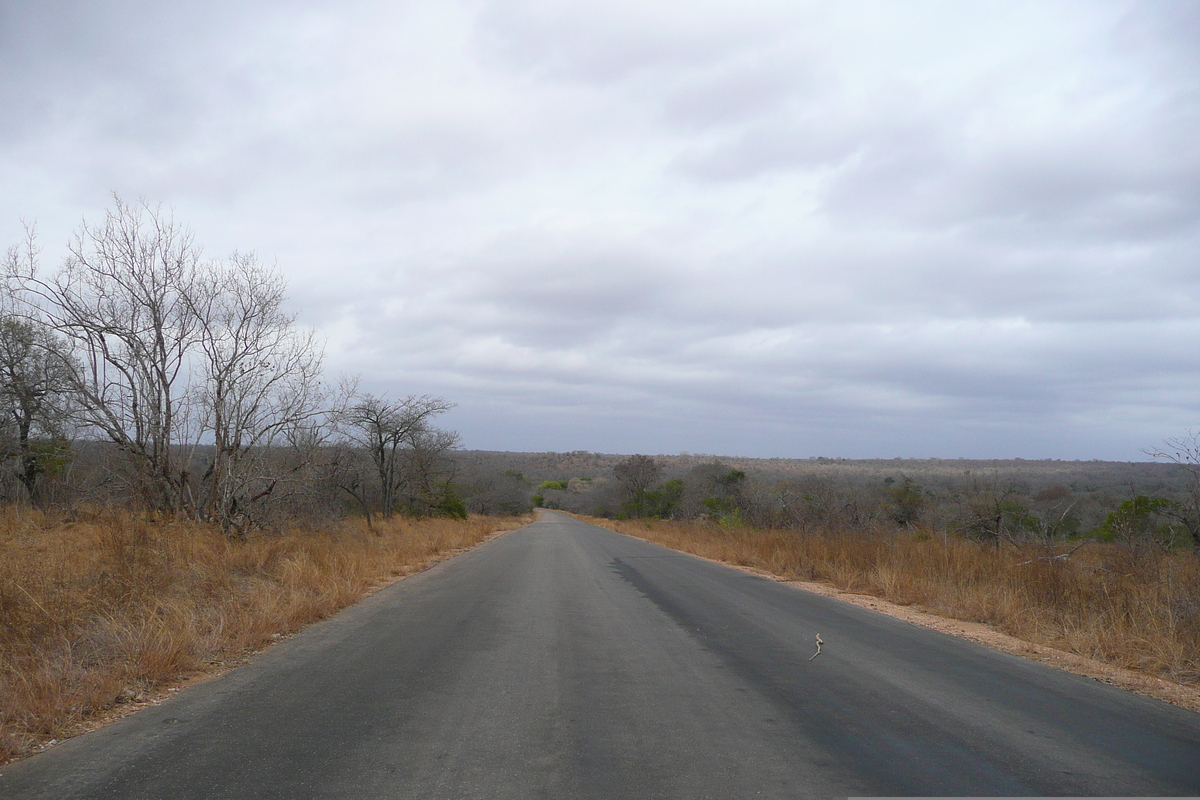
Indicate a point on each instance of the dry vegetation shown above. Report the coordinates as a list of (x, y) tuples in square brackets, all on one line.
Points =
[(1134, 608), (100, 610)]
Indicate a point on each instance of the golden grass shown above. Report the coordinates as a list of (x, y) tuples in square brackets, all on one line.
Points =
[(1136, 610), (101, 611)]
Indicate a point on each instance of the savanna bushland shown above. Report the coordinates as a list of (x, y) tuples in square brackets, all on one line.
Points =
[(179, 480), (180, 483), (1096, 558)]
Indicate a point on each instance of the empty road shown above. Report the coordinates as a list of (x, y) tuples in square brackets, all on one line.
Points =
[(563, 661)]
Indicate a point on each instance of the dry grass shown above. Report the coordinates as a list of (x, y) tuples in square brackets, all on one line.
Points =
[(1139, 610), (99, 611)]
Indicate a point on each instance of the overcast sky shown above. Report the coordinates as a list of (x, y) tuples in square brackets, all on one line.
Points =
[(748, 228)]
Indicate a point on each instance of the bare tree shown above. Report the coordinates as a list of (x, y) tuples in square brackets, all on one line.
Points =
[(349, 468), (500, 492), (1184, 452), (1051, 513), (261, 387), (811, 502), (637, 474), (170, 354), (992, 511), (34, 400), (427, 475), (121, 300), (405, 449)]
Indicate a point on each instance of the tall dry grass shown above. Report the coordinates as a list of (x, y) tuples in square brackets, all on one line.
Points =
[(1134, 608), (103, 610)]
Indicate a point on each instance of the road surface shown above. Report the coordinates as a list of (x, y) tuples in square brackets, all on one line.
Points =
[(564, 661)]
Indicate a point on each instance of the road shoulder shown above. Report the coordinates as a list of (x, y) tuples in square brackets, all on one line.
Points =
[(215, 669), (981, 633)]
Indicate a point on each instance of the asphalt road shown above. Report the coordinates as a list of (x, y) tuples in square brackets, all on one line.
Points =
[(563, 661)]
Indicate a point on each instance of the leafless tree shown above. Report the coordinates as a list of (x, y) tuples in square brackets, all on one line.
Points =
[(350, 469), (637, 474), (810, 502), (1051, 512), (406, 451), (428, 476), (1184, 451), (497, 492), (121, 300), (260, 387), (169, 354)]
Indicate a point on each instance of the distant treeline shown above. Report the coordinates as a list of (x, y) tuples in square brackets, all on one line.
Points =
[(1152, 503), (140, 373)]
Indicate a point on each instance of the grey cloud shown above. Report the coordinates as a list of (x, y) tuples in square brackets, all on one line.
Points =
[(747, 88), (603, 43), (1164, 34), (788, 229), (408, 166), (769, 148)]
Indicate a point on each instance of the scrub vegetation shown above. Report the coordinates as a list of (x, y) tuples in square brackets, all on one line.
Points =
[(180, 482), (1095, 558), (142, 374), (1137, 608), (100, 609)]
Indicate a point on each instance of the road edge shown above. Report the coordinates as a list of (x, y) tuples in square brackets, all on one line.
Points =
[(1167, 691), (216, 669)]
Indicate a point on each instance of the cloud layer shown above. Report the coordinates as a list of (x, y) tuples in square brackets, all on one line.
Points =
[(855, 229)]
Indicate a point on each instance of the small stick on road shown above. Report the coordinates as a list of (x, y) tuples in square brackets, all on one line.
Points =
[(819, 643)]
